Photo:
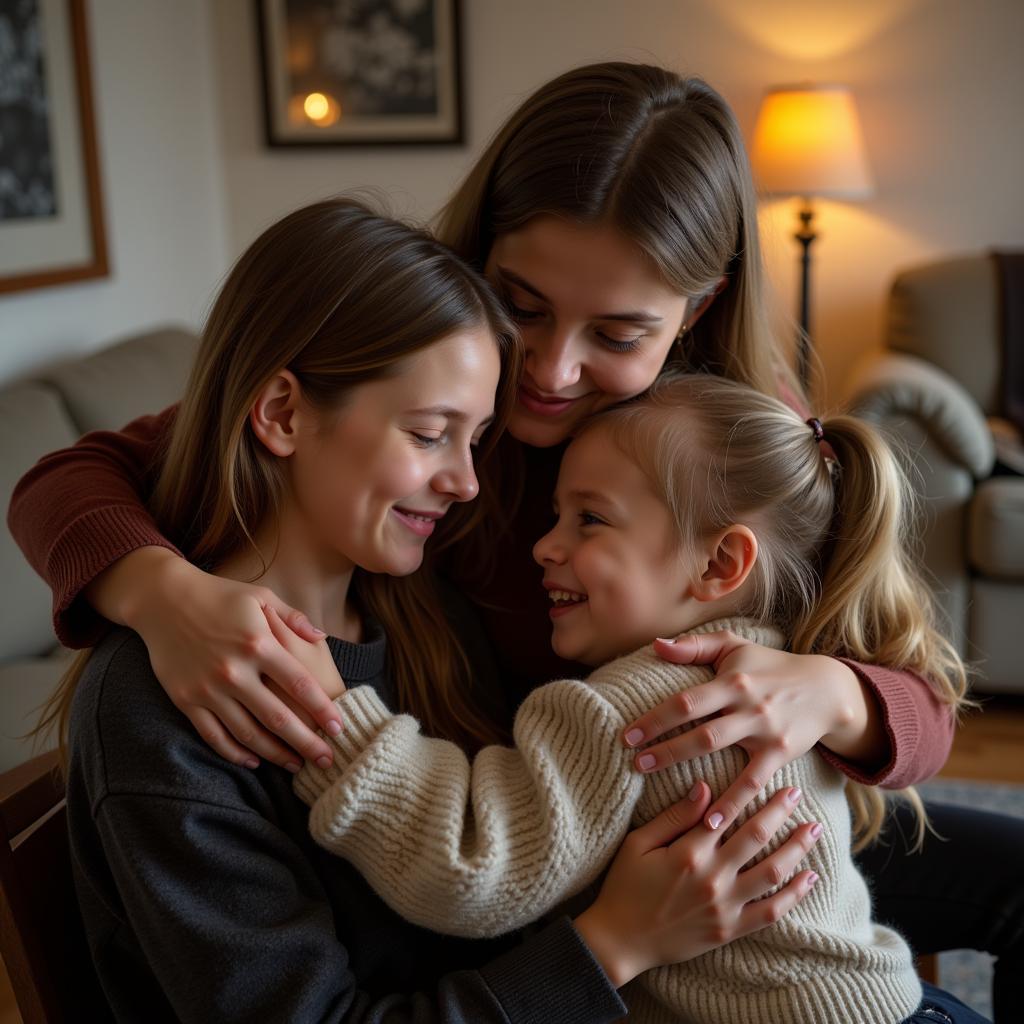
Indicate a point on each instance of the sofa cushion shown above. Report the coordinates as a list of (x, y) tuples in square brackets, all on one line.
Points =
[(144, 374), (997, 611), (996, 528), (33, 421)]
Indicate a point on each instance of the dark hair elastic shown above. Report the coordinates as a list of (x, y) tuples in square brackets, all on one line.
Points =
[(819, 431)]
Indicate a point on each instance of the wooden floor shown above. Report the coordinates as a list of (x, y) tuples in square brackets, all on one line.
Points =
[(989, 747)]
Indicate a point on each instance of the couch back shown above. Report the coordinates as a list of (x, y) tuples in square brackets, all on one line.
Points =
[(101, 391), (948, 314)]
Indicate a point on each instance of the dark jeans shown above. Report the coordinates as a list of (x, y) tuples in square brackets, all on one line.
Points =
[(964, 891), (938, 1007)]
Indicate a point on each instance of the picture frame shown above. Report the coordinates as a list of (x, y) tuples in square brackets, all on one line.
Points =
[(51, 207), (361, 72)]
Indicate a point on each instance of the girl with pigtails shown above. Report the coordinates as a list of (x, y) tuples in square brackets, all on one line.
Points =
[(702, 506)]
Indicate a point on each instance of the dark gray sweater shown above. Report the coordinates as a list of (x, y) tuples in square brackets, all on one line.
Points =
[(204, 898)]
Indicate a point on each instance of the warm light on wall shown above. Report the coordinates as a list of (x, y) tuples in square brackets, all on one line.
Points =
[(808, 142)]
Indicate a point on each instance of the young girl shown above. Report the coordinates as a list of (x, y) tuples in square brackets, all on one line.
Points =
[(348, 372), (703, 506), (614, 210)]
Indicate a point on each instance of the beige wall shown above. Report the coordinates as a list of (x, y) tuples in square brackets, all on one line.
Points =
[(940, 86), (939, 83), (161, 174)]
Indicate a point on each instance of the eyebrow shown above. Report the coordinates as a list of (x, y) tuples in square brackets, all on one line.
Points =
[(449, 412), (634, 316), (592, 496)]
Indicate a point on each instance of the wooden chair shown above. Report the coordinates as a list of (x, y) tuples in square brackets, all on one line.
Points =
[(42, 940)]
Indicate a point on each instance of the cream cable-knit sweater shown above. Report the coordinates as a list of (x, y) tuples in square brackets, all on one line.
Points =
[(480, 849)]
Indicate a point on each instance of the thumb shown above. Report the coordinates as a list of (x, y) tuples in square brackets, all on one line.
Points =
[(296, 621), (699, 648), (676, 819)]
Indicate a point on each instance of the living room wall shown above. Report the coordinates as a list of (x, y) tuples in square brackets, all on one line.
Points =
[(188, 181), (162, 187), (939, 84)]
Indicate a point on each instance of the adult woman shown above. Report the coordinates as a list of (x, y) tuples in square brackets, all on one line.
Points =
[(615, 212)]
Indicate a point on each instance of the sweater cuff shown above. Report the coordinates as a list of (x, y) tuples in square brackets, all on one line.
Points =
[(90, 544), (363, 717), (902, 724), (553, 976)]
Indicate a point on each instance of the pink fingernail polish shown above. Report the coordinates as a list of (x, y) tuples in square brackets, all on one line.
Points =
[(666, 639), (646, 761), (715, 820), (634, 736), (293, 767), (816, 830), (333, 727), (317, 631), (251, 763), (794, 795), (324, 762), (694, 793), (811, 879)]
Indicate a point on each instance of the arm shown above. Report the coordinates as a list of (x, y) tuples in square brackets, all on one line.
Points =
[(254, 935), (483, 848), (80, 518), (871, 723)]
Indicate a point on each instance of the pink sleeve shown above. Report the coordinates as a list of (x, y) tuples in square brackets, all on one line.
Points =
[(919, 726)]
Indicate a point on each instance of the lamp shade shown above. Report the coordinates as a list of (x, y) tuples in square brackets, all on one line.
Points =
[(808, 142)]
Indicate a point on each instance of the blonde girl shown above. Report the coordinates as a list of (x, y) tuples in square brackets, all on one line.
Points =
[(702, 506)]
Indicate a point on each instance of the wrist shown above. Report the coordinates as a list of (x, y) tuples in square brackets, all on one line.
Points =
[(605, 947), (130, 591), (857, 720)]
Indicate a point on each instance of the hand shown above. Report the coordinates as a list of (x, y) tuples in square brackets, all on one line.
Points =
[(773, 704), (211, 647), (314, 656), (675, 891)]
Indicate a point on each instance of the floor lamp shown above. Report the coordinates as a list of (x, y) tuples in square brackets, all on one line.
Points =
[(808, 143)]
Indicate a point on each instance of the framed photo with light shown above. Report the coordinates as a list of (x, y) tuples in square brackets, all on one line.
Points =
[(360, 72), (51, 210)]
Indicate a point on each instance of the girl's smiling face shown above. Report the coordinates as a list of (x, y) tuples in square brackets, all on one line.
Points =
[(370, 481), (611, 563), (596, 319)]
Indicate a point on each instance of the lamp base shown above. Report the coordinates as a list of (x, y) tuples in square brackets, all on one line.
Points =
[(805, 236)]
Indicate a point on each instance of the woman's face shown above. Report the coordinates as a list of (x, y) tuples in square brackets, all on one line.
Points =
[(596, 319), (371, 480), (612, 568)]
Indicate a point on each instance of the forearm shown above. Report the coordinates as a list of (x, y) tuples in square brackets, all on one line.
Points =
[(475, 850), (859, 735)]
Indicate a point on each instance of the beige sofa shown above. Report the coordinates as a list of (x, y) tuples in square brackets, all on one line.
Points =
[(102, 391), (933, 389)]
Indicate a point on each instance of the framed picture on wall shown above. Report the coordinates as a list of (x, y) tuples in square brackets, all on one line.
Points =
[(360, 72), (51, 213)]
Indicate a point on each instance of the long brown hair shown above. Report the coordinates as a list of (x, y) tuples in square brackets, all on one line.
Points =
[(662, 159), (835, 567), (340, 296)]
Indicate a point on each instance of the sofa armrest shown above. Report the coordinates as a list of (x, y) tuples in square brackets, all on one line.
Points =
[(891, 386)]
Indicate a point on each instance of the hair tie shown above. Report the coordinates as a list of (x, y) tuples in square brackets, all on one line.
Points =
[(819, 431)]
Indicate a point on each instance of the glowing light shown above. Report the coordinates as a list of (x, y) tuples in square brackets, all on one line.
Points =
[(316, 106)]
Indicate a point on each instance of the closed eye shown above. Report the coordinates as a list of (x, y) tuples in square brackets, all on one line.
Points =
[(425, 441), (589, 519)]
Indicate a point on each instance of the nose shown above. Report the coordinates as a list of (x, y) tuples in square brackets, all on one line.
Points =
[(458, 478), (549, 550), (552, 361)]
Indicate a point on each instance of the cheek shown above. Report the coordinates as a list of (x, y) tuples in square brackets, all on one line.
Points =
[(620, 377)]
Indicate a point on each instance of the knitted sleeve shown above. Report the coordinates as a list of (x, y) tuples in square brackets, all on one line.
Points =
[(476, 849), (80, 509)]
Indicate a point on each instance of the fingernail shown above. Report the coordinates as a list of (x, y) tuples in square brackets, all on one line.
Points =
[(794, 795), (811, 879), (715, 820), (317, 631), (324, 762), (694, 793), (634, 736), (666, 639), (816, 830), (333, 727), (646, 761), (251, 763), (292, 767)]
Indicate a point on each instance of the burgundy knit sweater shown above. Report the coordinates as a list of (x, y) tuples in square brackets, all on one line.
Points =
[(80, 509)]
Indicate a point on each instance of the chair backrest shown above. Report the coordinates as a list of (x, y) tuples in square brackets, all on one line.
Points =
[(948, 314), (41, 935)]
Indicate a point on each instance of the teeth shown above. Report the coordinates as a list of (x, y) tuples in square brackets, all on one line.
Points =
[(422, 519), (565, 596)]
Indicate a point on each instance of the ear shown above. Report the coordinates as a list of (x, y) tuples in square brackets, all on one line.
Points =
[(273, 416), (692, 316), (729, 560)]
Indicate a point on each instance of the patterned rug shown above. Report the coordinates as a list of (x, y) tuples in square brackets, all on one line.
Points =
[(966, 973)]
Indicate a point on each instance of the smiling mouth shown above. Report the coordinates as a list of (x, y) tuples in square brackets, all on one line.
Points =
[(420, 523), (542, 405)]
